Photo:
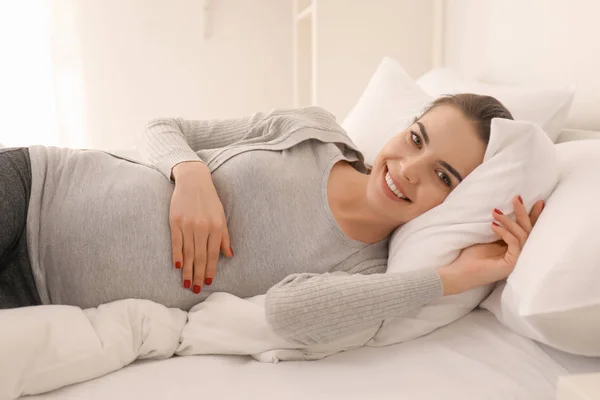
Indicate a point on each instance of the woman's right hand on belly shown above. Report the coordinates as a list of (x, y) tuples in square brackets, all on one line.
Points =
[(198, 225)]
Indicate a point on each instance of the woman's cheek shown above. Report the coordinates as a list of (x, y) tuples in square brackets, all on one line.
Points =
[(432, 198)]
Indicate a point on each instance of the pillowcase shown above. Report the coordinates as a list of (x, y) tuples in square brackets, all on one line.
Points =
[(388, 105), (520, 159), (553, 296), (547, 107)]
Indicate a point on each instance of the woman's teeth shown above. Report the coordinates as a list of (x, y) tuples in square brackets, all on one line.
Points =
[(393, 188)]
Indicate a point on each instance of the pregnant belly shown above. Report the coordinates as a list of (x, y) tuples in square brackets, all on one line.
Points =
[(105, 234)]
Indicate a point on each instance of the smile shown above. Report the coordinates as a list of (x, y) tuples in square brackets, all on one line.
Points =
[(389, 183)]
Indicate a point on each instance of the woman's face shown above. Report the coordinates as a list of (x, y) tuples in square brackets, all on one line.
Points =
[(424, 164)]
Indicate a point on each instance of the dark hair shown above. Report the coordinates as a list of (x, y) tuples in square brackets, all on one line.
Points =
[(477, 108)]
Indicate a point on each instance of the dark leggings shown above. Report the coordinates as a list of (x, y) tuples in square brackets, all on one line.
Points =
[(17, 286)]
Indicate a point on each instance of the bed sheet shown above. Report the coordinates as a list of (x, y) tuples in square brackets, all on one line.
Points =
[(472, 358)]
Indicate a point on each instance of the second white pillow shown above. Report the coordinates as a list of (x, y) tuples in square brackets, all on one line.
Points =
[(547, 107), (553, 296)]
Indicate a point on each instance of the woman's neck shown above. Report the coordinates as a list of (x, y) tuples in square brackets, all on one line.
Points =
[(347, 194)]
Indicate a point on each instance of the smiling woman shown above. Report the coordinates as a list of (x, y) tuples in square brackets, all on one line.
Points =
[(287, 190)]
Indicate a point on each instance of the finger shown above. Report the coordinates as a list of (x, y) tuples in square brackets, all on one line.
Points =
[(513, 249), (200, 247), (188, 256), (536, 210), (176, 245), (513, 227), (521, 215), (213, 257), (226, 244)]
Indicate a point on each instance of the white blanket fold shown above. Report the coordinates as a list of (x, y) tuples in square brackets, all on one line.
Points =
[(226, 324), (47, 347)]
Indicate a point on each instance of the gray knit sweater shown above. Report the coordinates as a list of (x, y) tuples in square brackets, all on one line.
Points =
[(305, 307), (98, 225)]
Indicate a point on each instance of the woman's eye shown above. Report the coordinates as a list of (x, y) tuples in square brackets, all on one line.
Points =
[(416, 139), (444, 178)]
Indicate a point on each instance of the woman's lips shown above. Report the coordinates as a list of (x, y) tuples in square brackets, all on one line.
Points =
[(388, 192)]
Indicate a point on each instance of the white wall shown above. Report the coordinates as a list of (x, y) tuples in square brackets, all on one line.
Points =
[(353, 37), (27, 107), (545, 42), (144, 59)]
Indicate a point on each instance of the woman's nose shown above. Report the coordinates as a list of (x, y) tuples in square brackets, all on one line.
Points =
[(410, 169)]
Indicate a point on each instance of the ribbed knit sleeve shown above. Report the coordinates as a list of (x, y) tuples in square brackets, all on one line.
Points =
[(168, 142), (318, 308)]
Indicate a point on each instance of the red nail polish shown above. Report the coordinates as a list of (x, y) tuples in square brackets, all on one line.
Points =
[(197, 289), (495, 223), (498, 211), (520, 199), (178, 264), (208, 281), (187, 283), (231, 250)]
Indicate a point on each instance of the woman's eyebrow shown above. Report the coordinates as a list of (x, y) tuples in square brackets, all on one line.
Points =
[(452, 170), (444, 164)]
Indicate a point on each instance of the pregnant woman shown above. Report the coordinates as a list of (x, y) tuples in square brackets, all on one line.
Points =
[(278, 203)]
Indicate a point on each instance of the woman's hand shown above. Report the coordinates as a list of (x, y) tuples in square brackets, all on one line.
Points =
[(198, 225), (483, 264)]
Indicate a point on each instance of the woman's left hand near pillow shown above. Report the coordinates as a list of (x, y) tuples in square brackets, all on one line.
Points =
[(487, 263)]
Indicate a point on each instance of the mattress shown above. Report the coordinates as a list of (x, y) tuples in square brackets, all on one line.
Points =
[(473, 358)]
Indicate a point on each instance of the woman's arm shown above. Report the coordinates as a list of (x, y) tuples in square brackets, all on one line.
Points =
[(318, 308), (168, 142), (196, 217)]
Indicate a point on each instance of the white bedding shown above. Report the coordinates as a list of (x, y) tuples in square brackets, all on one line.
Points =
[(472, 358)]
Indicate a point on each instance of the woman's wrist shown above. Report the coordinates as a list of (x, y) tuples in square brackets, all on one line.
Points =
[(189, 169), (452, 280)]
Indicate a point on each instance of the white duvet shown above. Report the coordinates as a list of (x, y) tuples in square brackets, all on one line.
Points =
[(47, 347)]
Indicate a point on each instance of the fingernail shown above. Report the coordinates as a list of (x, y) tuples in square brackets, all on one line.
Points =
[(495, 223), (497, 211), (520, 199), (187, 283), (178, 264), (543, 204), (197, 289), (208, 281)]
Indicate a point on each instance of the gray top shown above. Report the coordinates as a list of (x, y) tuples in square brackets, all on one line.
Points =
[(98, 225)]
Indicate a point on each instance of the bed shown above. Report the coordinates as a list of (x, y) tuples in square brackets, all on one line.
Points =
[(475, 357), (495, 362)]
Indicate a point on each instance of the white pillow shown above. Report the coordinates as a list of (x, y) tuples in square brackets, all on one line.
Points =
[(553, 296), (388, 105), (546, 107), (520, 159)]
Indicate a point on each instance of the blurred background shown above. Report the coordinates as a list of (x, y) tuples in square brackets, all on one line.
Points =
[(90, 73)]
